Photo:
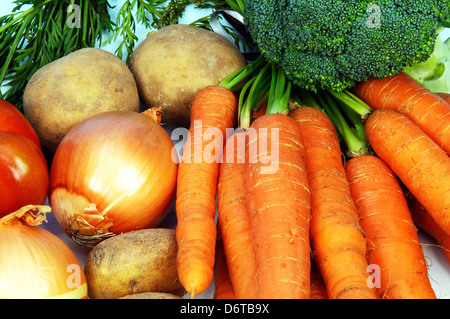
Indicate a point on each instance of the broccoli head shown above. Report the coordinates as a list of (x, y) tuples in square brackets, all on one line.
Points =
[(331, 44)]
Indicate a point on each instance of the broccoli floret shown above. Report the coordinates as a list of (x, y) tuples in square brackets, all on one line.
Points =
[(331, 44)]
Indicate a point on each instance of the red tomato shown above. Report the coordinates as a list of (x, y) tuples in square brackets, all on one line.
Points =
[(23, 168), (13, 121)]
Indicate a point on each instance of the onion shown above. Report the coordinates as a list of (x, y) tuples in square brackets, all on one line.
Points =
[(34, 263), (112, 173)]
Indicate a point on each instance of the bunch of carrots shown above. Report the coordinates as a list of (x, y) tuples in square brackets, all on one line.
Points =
[(319, 195)]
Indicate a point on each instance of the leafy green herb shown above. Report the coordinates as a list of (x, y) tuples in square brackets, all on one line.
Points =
[(154, 14), (175, 9), (130, 13), (42, 33)]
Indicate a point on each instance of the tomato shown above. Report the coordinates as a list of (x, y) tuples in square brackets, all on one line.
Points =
[(23, 168), (13, 121)]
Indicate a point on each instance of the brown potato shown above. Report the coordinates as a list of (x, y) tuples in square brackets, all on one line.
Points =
[(64, 92), (134, 262), (172, 64), (151, 295)]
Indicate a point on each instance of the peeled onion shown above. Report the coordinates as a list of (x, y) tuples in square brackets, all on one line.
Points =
[(112, 173), (34, 263)]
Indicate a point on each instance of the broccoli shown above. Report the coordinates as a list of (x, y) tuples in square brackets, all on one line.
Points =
[(331, 44)]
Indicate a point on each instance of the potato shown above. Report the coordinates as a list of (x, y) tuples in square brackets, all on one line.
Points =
[(134, 262), (172, 64), (151, 295), (64, 92)]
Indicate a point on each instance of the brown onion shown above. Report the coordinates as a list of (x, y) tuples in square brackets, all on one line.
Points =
[(112, 173), (34, 263)]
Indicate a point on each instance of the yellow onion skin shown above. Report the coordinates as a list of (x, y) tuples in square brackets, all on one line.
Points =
[(112, 173), (34, 264)]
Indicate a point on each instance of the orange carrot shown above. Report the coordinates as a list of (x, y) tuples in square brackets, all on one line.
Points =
[(445, 97), (338, 244), (392, 241), (318, 288), (213, 107), (233, 218), (424, 221), (279, 207), (403, 94), (223, 286), (261, 111), (420, 163)]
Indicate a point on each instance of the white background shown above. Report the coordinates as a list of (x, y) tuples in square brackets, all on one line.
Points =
[(439, 268)]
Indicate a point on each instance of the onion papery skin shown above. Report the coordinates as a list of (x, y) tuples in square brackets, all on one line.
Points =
[(34, 264), (112, 173)]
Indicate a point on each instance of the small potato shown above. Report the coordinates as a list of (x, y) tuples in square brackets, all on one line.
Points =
[(172, 64), (68, 90), (134, 262), (151, 295)]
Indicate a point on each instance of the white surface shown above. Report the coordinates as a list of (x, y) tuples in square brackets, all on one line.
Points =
[(439, 269)]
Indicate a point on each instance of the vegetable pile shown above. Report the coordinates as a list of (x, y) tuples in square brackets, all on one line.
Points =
[(315, 145)]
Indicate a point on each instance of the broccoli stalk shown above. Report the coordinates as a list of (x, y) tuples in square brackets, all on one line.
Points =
[(434, 73)]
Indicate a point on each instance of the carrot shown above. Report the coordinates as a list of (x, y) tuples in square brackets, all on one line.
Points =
[(337, 241), (392, 241), (260, 112), (213, 107), (445, 96), (318, 288), (278, 201), (234, 220), (420, 163), (403, 94), (424, 221), (223, 286)]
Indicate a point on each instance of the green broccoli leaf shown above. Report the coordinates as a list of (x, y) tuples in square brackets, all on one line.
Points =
[(434, 73)]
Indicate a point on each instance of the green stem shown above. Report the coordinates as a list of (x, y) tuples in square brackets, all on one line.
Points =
[(14, 45), (280, 91), (272, 89), (232, 81), (243, 111), (329, 112), (85, 23), (237, 5), (23, 14), (356, 146), (353, 102), (355, 119), (309, 100), (258, 87)]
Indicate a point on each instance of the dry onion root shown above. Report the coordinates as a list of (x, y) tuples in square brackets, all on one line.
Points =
[(112, 173), (34, 263)]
